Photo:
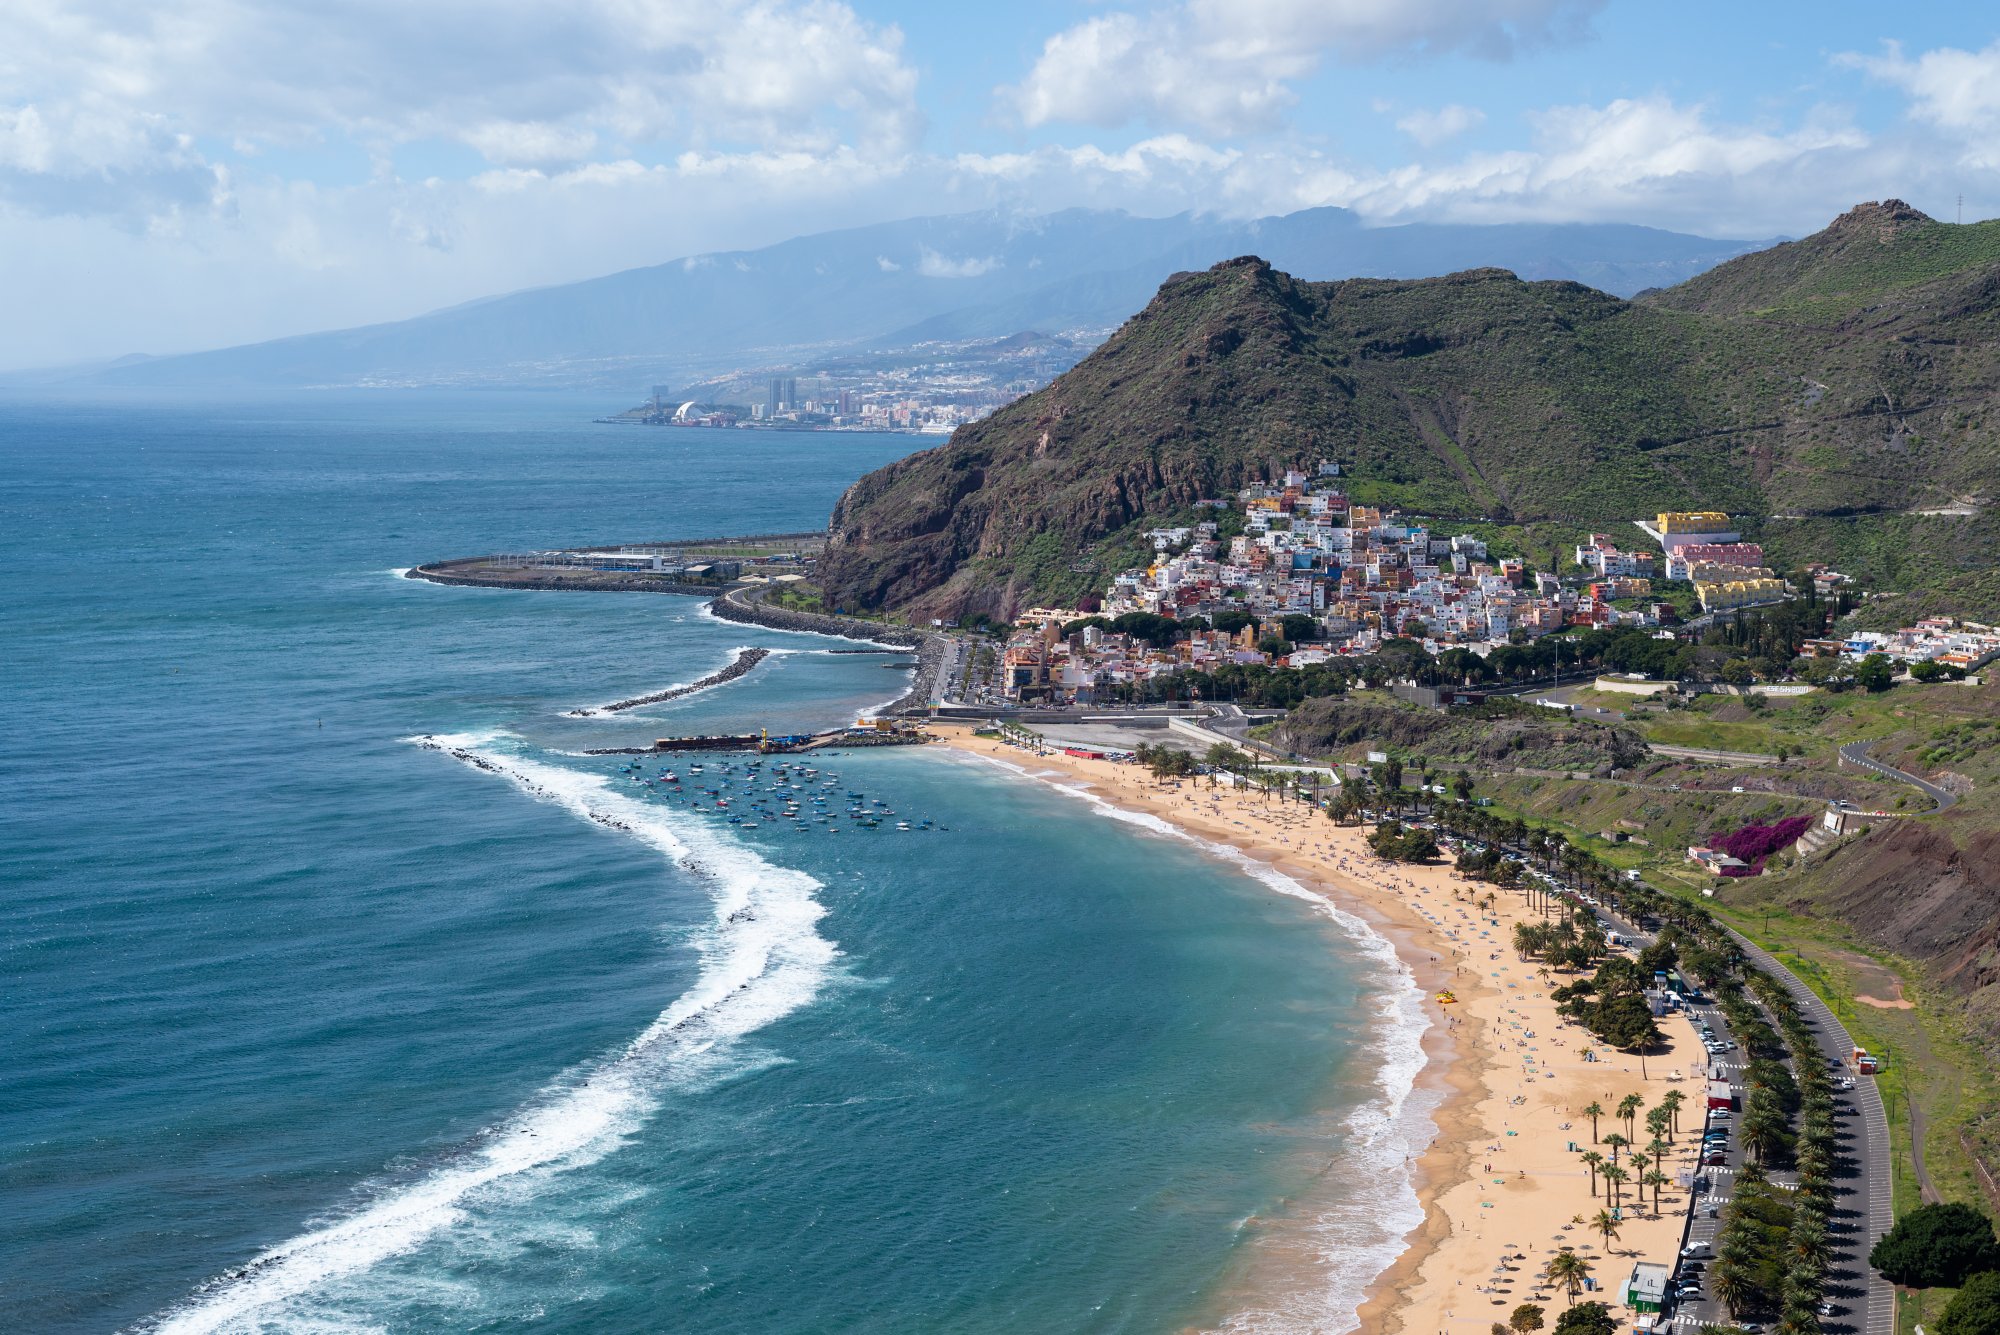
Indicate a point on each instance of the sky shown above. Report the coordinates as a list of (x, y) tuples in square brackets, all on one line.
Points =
[(199, 173)]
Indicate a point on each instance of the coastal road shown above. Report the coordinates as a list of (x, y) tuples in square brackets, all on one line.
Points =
[(1856, 754), (1864, 1206)]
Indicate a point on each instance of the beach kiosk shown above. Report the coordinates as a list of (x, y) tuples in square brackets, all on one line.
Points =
[(1646, 1290)]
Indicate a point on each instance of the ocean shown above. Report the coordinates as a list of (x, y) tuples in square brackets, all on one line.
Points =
[(343, 993)]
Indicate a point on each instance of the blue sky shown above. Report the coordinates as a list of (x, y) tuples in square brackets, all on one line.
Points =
[(216, 171)]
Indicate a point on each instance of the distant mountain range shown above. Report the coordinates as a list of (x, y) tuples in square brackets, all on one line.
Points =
[(1840, 393), (892, 285)]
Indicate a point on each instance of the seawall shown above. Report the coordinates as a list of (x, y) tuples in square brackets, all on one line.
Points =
[(441, 573), (748, 605)]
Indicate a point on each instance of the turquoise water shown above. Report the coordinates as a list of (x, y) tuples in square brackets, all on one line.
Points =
[(313, 1027)]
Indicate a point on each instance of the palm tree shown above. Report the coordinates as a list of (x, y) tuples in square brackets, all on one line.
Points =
[(1593, 1111), (1656, 1122), (1614, 1176), (1655, 1179), (1567, 1270), (1808, 1244), (1763, 1133), (1593, 1161), (1628, 1108), (1735, 1286), (1605, 1223), (1616, 1142)]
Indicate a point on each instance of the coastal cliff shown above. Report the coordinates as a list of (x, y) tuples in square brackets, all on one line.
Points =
[(1843, 385)]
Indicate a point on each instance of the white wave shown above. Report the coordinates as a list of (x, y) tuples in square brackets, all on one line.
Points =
[(875, 711), (401, 572), (762, 958), (1382, 1137), (704, 611), (600, 711)]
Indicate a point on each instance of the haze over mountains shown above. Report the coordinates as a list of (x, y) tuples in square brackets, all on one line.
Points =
[(890, 285), (1836, 393)]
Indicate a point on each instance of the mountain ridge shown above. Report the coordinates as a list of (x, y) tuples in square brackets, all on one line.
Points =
[(947, 277), (1478, 396)]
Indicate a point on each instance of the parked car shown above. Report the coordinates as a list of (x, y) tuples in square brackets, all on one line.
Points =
[(1695, 1249)]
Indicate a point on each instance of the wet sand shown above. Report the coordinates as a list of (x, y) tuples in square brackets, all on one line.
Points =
[(1500, 1186)]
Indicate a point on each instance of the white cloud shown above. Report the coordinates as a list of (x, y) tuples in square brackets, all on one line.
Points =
[(886, 265), (1226, 67), (531, 143), (1637, 160), (103, 102), (1954, 90), (150, 191), (1447, 122), (933, 265)]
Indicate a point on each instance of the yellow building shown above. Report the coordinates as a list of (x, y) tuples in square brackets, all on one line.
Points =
[(1714, 572), (1721, 596), (1694, 521)]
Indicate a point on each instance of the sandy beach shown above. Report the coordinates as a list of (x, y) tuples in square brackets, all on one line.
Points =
[(1503, 1185)]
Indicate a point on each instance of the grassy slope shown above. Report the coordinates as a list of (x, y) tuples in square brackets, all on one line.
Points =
[(1849, 923), (1480, 398)]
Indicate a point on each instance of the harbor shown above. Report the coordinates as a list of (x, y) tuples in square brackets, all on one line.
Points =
[(756, 793), (865, 732)]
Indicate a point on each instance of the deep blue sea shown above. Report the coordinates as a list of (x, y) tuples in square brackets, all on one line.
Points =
[(310, 1027)]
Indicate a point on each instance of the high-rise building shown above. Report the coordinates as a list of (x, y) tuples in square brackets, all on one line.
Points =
[(776, 398), (791, 392), (661, 394)]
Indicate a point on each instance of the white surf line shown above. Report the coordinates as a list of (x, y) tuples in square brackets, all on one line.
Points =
[(762, 958), (1389, 1133), (703, 610), (741, 660)]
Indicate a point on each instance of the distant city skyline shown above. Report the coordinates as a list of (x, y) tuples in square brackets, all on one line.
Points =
[(208, 174)]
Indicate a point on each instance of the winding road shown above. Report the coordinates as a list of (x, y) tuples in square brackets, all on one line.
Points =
[(1856, 753)]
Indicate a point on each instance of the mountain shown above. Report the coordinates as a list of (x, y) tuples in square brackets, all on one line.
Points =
[(1838, 390), (960, 276)]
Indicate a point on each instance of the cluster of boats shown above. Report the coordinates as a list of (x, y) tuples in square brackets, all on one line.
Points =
[(755, 793)]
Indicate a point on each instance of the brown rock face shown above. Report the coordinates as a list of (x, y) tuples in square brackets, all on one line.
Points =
[(1885, 221), (1911, 890), (1845, 380)]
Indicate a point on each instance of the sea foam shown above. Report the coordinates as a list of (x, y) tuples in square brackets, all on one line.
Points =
[(762, 958), (1381, 1138)]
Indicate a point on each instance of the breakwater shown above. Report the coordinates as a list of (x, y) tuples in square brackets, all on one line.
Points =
[(442, 573), (745, 660), (744, 604), (748, 606)]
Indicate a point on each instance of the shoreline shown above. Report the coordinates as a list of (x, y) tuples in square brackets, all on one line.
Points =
[(1502, 1109)]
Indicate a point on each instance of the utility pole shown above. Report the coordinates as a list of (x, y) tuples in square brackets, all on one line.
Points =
[(1961, 209)]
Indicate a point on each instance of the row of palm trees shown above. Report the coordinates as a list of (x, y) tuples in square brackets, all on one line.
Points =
[(1800, 1256), (1758, 1266), (1640, 1167)]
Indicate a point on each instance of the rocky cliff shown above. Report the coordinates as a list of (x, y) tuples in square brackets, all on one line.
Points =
[(1842, 385)]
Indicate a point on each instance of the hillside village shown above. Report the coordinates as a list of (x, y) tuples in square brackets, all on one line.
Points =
[(1292, 573)]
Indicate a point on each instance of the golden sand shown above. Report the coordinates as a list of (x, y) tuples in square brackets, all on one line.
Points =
[(1503, 1187)]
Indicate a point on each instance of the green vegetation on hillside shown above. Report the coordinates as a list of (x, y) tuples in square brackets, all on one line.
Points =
[(1537, 408)]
